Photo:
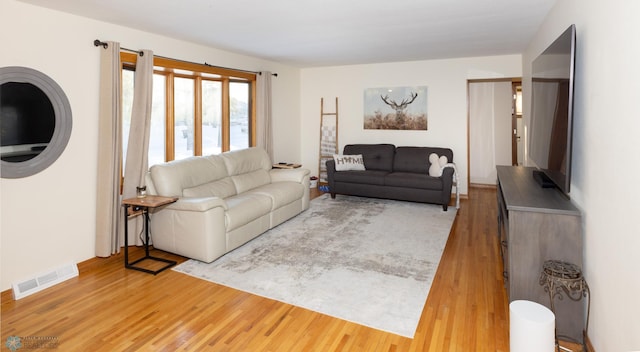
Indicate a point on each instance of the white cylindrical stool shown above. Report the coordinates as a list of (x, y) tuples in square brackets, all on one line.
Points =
[(531, 327)]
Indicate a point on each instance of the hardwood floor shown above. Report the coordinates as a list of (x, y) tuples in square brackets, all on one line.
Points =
[(108, 308)]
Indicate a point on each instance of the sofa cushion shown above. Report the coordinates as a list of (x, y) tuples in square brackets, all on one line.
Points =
[(281, 193), (244, 208), (248, 168), (369, 177), (376, 156), (246, 160), (250, 180), (170, 179), (222, 188), (413, 180)]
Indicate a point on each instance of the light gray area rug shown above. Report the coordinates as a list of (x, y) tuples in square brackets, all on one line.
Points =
[(368, 261)]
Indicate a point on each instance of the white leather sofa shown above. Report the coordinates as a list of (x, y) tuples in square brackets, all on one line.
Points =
[(224, 201)]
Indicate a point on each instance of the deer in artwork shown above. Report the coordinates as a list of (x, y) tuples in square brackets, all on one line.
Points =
[(399, 107)]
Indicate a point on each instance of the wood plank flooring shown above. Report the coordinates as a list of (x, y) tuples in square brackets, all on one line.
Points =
[(108, 308)]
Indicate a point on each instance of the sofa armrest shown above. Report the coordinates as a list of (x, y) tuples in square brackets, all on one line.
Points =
[(293, 175), (447, 184), (192, 227), (197, 204), (298, 175), (331, 169)]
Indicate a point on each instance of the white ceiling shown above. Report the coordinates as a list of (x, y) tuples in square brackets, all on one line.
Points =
[(309, 33)]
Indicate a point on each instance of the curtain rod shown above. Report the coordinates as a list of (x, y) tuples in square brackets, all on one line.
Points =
[(105, 45)]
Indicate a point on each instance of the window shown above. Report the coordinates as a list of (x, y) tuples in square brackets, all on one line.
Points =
[(239, 115), (196, 109)]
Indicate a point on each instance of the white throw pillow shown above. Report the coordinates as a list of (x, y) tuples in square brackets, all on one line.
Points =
[(437, 164), (349, 162)]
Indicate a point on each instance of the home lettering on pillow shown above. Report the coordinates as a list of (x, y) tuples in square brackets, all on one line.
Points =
[(349, 162)]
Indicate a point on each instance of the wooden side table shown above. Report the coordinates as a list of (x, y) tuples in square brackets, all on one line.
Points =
[(143, 205), (286, 166)]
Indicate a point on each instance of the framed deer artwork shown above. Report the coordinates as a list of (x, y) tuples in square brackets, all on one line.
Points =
[(395, 108)]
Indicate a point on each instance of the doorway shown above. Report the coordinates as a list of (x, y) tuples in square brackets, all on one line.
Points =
[(493, 133), (517, 126)]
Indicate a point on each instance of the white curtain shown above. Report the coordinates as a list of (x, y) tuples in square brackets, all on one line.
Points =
[(489, 129), (264, 129), (137, 161), (482, 161), (108, 207)]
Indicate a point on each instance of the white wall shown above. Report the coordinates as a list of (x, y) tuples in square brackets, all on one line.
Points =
[(49, 219), (606, 160), (447, 102)]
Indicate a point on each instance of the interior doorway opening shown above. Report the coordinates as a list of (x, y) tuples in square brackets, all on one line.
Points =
[(517, 126), (494, 128)]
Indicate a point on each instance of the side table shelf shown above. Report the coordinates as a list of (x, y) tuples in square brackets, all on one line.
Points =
[(143, 205)]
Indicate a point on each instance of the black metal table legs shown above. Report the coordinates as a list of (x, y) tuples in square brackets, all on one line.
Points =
[(147, 256)]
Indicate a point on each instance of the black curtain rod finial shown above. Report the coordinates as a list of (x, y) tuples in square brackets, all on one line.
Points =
[(105, 45), (97, 42)]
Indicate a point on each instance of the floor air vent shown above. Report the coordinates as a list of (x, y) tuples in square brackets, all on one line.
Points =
[(40, 282)]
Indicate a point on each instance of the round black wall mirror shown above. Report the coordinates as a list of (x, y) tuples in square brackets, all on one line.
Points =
[(35, 121)]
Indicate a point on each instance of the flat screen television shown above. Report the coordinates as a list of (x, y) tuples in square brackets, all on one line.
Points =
[(551, 124), (27, 121)]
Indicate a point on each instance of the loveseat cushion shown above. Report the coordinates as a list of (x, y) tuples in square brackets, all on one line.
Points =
[(416, 159), (376, 156), (412, 159), (413, 180), (369, 177)]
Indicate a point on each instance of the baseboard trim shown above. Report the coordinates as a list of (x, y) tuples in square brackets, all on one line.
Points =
[(482, 185), (44, 280), (6, 296), (453, 198)]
